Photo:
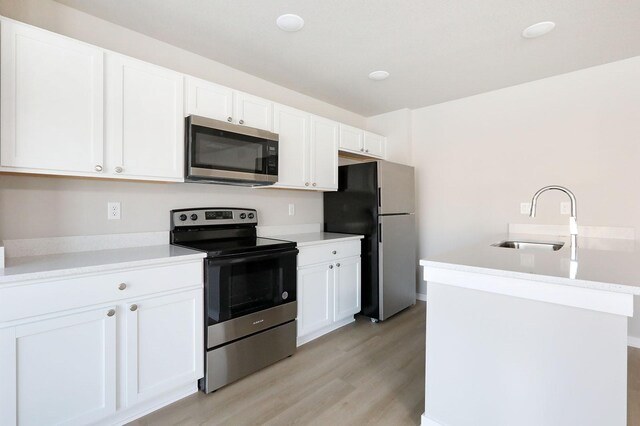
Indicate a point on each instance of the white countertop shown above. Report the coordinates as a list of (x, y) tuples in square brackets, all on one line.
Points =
[(313, 238), (603, 264), (58, 265)]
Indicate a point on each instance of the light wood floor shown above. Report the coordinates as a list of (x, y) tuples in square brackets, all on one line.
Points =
[(364, 373)]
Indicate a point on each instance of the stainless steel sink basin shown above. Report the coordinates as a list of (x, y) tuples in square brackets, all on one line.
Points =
[(530, 245)]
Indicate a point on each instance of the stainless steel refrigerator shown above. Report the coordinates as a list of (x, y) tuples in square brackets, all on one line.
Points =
[(376, 199)]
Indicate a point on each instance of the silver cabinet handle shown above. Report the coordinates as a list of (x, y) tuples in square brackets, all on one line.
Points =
[(229, 119), (122, 286), (330, 266), (334, 252), (338, 265), (306, 184), (314, 184), (133, 307), (366, 150), (361, 149), (241, 121), (119, 169), (111, 312), (98, 168)]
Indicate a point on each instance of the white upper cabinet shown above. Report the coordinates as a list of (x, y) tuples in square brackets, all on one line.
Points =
[(374, 145), (351, 138), (253, 111), (324, 153), (145, 120), (292, 127), (207, 99), (51, 104)]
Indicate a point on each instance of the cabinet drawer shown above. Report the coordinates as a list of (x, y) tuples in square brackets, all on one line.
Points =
[(23, 301), (328, 252)]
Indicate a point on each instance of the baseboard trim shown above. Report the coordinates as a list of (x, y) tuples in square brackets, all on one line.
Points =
[(426, 421), (634, 342), (139, 410), (421, 296)]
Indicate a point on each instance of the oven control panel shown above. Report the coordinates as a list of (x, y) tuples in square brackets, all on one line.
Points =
[(213, 216)]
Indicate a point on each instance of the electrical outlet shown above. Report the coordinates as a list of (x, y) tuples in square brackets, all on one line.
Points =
[(565, 207), (525, 208), (113, 210), (292, 209)]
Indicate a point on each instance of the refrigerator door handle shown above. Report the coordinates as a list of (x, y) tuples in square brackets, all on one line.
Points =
[(379, 197), (380, 232)]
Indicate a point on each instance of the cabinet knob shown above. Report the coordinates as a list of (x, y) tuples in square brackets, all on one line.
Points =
[(98, 168), (361, 149), (338, 265), (241, 121), (306, 184), (334, 252), (314, 184), (111, 312), (366, 150), (122, 286), (133, 307), (330, 266), (119, 169)]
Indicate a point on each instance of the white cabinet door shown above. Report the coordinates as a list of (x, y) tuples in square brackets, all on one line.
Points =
[(324, 153), (374, 144), (347, 288), (60, 370), (145, 120), (292, 126), (52, 102), (315, 298), (208, 99), (164, 344), (351, 139), (253, 111)]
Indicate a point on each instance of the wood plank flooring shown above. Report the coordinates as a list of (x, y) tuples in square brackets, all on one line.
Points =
[(364, 373)]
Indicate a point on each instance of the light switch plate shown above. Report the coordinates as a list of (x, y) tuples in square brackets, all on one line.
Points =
[(565, 207), (525, 208)]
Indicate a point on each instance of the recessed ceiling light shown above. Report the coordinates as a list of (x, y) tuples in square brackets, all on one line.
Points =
[(539, 29), (290, 22), (378, 75)]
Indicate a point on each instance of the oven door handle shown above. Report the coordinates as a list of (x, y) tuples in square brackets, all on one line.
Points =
[(241, 258)]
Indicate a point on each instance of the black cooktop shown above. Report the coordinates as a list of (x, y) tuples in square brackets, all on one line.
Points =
[(233, 246)]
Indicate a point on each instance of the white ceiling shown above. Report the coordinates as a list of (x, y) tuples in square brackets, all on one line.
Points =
[(435, 50)]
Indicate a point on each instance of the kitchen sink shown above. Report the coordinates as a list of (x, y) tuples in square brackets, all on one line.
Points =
[(530, 245)]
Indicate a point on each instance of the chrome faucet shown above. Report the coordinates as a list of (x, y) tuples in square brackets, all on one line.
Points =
[(573, 220)]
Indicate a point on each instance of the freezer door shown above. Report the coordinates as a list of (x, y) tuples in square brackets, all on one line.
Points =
[(397, 188), (397, 251)]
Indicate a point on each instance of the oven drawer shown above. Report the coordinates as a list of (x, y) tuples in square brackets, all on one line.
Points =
[(323, 253), (28, 300)]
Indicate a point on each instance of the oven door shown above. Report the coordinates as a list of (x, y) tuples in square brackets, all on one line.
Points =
[(243, 284), (221, 152)]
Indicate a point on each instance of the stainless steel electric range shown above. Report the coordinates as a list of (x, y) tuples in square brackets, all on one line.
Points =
[(250, 291)]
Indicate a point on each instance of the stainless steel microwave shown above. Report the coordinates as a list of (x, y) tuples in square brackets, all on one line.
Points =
[(225, 153)]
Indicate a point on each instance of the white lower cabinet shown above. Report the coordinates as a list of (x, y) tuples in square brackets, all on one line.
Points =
[(315, 298), (106, 361), (329, 291), (59, 370), (162, 335)]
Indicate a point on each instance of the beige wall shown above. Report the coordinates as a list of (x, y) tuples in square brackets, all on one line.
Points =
[(396, 126), (34, 207), (478, 158)]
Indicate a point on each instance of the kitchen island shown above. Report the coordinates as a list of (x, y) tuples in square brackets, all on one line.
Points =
[(529, 336)]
